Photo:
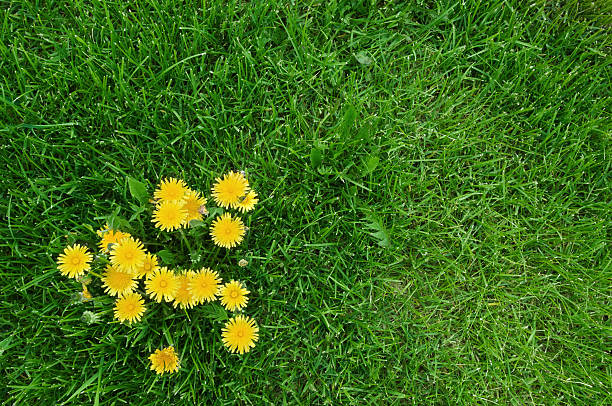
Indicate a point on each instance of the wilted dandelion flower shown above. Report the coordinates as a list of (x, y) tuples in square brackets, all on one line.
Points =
[(204, 285), (165, 360), (129, 308), (170, 189), (233, 296), (193, 202), (74, 261), (248, 203), (162, 284), (227, 231), (227, 191), (183, 296), (203, 210), (116, 282), (150, 265), (85, 295), (169, 215), (89, 317), (108, 237), (242, 263), (128, 255), (240, 334)]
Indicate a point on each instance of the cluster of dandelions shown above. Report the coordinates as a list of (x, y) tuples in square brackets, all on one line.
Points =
[(131, 273)]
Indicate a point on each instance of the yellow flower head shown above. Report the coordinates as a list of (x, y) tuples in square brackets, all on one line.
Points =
[(74, 261), (183, 296), (165, 360), (233, 296), (117, 283), (150, 265), (162, 284), (248, 203), (228, 191), (193, 202), (227, 231), (128, 255), (240, 334), (170, 189), (109, 237), (169, 215), (204, 285), (129, 308)]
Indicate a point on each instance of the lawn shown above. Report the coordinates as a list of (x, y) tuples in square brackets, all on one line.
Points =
[(434, 221)]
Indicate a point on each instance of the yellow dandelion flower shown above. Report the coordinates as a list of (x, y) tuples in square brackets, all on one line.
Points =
[(204, 285), (183, 296), (162, 284), (165, 360), (233, 296), (129, 308), (193, 203), (228, 191), (248, 203), (128, 255), (150, 265), (227, 231), (169, 215), (170, 189), (116, 282), (240, 334), (85, 295), (74, 261), (109, 237)]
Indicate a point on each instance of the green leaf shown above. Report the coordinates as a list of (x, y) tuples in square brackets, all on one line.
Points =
[(350, 115), (116, 222), (370, 164), (214, 311), (138, 190), (365, 132), (316, 158), (166, 256), (215, 211), (196, 223), (381, 233)]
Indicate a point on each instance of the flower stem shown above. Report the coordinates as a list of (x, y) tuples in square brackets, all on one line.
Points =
[(185, 240)]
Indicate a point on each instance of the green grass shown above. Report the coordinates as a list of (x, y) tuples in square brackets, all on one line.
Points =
[(434, 223)]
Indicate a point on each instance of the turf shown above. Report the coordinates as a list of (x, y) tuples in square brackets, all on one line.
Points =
[(434, 223)]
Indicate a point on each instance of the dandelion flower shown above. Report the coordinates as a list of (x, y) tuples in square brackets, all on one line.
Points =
[(74, 261), (109, 237), (170, 189), (165, 360), (116, 282), (85, 295), (183, 296), (150, 265), (240, 334), (193, 202), (204, 285), (248, 203), (169, 215), (129, 308), (89, 317), (128, 255), (162, 284), (227, 231), (233, 296), (228, 191)]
